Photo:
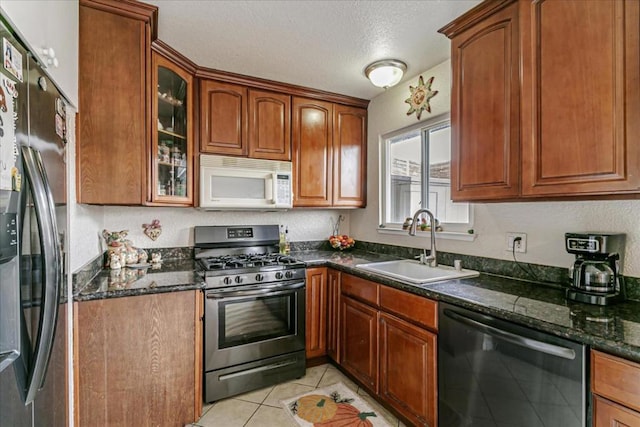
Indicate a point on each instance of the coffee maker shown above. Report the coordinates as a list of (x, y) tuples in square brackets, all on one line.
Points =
[(596, 276)]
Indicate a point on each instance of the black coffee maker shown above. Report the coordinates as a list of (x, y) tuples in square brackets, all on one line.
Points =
[(596, 276)]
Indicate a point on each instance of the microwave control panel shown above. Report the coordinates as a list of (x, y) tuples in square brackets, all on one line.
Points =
[(284, 189)]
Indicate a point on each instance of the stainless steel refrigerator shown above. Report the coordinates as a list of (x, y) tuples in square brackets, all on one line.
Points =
[(33, 219)]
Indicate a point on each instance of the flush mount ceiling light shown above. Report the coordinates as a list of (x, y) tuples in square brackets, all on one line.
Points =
[(386, 72)]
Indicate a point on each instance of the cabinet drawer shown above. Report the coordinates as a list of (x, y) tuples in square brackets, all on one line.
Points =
[(606, 414), (616, 379), (361, 289), (414, 308)]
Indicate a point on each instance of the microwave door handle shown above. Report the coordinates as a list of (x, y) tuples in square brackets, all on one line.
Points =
[(51, 268), (272, 184)]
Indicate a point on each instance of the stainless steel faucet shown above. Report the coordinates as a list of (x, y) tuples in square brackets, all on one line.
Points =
[(431, 259)]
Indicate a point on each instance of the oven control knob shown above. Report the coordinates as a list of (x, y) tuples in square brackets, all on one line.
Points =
[(288, 274), (227, 280), (238, 279), (259, 277), (279, 275)]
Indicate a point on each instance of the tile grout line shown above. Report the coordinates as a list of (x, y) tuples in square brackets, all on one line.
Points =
[(254, 412)]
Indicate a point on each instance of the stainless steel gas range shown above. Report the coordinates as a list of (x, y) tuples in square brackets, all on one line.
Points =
[(254, 315)]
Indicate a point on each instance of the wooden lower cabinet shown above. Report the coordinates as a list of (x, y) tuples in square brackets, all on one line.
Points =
[(137, 360), (333, 314), (316, 312), (609, 414), (359, 341), (408, 369), (387, 341), (615, 384)]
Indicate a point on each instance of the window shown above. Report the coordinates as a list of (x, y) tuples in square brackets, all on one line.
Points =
[(408, 186)]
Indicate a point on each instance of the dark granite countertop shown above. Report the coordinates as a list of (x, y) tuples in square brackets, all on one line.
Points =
[(170, 276), (614, 329)]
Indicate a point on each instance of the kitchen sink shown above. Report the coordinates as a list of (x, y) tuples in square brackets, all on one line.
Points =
[(410, 271)]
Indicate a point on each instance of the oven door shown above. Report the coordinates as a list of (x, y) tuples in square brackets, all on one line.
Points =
[(245, 324)]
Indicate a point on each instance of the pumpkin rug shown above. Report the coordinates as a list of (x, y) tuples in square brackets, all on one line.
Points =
[(333, 406)]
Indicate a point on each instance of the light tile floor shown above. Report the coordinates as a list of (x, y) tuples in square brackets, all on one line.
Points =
[(262, 408)]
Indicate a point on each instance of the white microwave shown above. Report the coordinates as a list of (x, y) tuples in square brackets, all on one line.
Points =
[(243, 183)]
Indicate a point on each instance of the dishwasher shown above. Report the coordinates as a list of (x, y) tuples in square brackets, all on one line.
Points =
[(495, 373)]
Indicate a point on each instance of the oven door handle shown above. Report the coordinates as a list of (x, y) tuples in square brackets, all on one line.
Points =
[(266, 290)]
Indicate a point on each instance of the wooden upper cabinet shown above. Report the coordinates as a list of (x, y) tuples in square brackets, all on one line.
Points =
[(240, 121), (485, 109), (223, 118), (172, 136), (541, 112), (269, 125), (329, 154), (581, 97), (312, 139), (349, 156), (112, 150)]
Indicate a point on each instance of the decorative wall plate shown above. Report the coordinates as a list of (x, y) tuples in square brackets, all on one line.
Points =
[(153, 230), (420, 96)]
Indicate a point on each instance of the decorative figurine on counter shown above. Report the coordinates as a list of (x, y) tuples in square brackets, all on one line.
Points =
[(118, 245), (156, 259), (143, 256), (152, 230), (114, 261)]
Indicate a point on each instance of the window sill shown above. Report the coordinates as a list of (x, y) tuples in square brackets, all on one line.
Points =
[(445, 235)]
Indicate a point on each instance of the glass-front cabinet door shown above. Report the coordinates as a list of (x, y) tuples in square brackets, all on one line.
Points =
[(172, 142)]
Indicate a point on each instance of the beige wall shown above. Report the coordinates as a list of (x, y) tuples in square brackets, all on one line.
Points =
[(544, 222)]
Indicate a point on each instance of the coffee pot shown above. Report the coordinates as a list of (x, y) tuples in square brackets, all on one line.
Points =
[(595, 274)]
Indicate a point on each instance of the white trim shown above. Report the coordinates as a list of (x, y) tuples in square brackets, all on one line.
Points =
[(384, 168), (444, 235), (439, 119)]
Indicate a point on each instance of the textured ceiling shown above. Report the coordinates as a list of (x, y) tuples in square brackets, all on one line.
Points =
[(320, 44)]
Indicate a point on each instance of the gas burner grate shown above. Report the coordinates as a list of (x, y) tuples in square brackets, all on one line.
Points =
[(225, 262)]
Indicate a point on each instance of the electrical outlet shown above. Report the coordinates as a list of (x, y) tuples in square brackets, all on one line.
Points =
[(521, 244)]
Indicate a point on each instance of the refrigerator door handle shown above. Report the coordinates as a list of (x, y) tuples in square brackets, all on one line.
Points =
[(52, 268)]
